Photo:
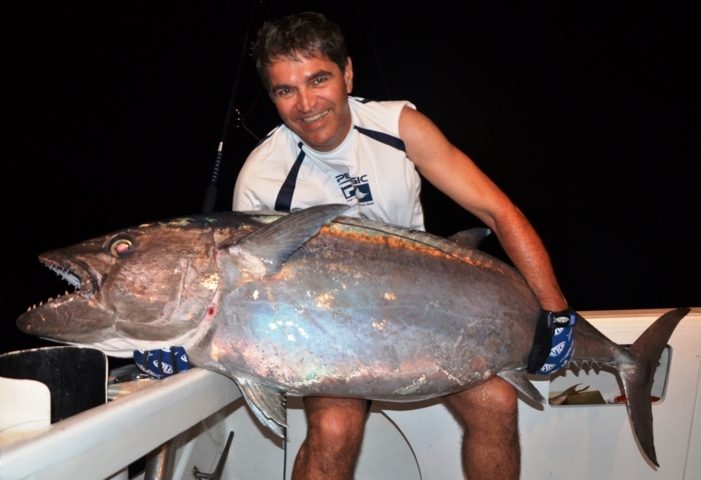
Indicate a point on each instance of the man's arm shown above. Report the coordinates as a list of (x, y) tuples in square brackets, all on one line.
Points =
[(455, 174)]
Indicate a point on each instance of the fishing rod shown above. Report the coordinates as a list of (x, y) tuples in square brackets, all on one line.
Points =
[(210, 195)]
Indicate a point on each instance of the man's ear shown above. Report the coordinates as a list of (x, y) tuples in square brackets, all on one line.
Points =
[(348, 75)]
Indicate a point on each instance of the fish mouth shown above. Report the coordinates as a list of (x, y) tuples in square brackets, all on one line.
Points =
[(80, 276), (60, 316)]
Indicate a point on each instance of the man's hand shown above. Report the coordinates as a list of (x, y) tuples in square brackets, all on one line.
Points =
[(553, 342)]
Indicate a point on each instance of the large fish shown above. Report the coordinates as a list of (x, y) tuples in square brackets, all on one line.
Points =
[(310, 303)]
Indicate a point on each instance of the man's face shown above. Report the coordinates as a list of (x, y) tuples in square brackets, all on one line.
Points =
[(311, 97)]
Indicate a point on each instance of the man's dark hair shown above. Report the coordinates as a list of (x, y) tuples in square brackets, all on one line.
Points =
[(300, 35)]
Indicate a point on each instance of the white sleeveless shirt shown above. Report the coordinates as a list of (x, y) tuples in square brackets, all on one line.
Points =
[(369, 171)]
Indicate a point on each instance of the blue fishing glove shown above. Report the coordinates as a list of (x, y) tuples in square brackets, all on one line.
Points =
[(553, 342), (162, 362)]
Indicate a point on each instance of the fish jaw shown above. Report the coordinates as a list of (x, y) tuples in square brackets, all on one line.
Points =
[(70, 318), (78, 317)]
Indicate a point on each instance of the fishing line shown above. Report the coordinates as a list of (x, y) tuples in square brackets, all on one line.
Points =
[(371, 45), (284, 453)]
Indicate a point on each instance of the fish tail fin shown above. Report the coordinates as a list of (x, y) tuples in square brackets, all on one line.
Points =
[(637, 367)]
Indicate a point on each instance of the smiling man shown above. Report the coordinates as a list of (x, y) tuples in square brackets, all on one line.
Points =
[(336, 148)]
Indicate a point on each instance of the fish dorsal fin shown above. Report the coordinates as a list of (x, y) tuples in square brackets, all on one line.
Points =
[(520, 381), (267, 404), (269, 247), (471, 238)]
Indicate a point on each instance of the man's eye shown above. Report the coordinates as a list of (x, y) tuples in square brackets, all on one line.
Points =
[(320, 80), (281, 92)]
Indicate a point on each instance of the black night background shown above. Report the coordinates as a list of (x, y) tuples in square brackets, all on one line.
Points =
[(585, 113)]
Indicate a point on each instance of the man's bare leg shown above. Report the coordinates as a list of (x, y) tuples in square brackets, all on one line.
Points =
[(334, 433), (489, 414)]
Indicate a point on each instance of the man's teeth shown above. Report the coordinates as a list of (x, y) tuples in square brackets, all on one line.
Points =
[(316, 117)]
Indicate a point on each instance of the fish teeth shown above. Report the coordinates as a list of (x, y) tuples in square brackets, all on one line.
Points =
[(48, 301), (66, 275)]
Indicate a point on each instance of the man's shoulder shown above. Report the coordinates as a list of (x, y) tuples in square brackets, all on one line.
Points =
[(366, 104), (382, 115)]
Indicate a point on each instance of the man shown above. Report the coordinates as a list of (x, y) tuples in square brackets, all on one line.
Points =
[(335, 148)]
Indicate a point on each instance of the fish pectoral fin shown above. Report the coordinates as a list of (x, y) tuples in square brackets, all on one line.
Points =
[(520, 381), (267, 404), (273, 244)]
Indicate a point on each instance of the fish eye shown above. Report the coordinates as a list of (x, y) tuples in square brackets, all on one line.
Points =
[(120, 247)]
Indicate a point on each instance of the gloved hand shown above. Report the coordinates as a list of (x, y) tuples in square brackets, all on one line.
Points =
[(553, 342), (162, 362)]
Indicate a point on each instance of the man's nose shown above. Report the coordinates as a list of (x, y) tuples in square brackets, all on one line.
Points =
[(305, 100)]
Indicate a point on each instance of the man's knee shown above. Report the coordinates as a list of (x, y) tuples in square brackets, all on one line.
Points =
[(495, 399), (501, 395), (341, 421)]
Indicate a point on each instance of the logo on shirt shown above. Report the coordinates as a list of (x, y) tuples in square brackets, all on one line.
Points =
[(358, 187)]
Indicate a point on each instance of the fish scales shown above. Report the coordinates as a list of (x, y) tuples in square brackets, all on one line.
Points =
[(353, 296)]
